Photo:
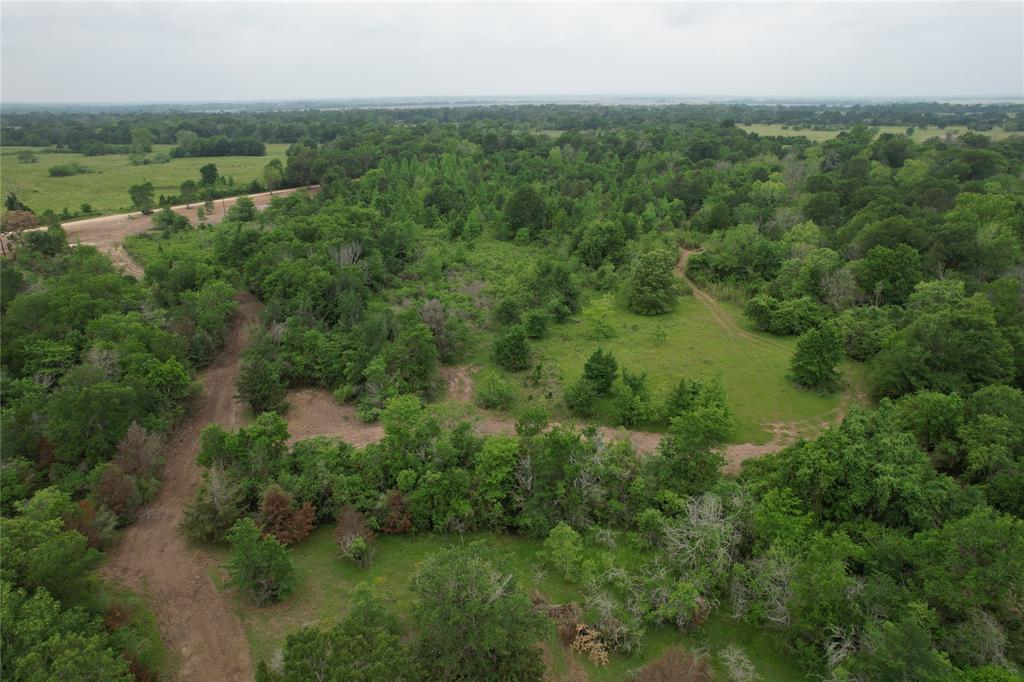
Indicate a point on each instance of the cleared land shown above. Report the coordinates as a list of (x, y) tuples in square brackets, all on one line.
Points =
[(326, 583), (106, 188), (702, 340), (921, 133), (153, 559)]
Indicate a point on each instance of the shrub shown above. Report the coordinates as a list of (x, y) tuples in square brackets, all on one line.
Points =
[(818, 351), (511, 349), (581, 397), (535, 323), (493, 392), (600, 369), (652, 283), (282, 520), (351, 533), (66, 169), (259, 565)]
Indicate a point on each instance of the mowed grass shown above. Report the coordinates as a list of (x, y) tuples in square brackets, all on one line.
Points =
[(326, 584), (106, 189), (689, 342), (921, 133)]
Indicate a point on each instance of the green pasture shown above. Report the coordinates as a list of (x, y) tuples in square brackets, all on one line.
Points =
[(689, 342), (921, 133), (106, 188), (326, 583)]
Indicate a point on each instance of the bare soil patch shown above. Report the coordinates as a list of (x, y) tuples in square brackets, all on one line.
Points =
[(107, 233), (314, 412), (195, 620)]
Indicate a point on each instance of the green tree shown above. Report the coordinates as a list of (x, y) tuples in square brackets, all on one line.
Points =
[(652, 283), (142, 196), (951, 343), (273, 175), (525, 210), (259, 566), (818, 351), (563, 549), (243, 210), (188, 192), (209, 174), (474, 622), (365, 646), (512, 350), (601, 369), (260, 385)]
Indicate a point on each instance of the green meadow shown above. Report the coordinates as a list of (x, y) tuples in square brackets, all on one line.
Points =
[(690, 342), (105, 189), (921, 133), (326, 583)]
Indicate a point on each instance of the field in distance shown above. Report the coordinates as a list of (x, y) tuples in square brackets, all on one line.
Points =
[(921, 133), (105, 188)]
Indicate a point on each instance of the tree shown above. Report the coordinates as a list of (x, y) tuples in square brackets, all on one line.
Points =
[(474, 623), (563, 549), (888, 275), (951, 343), (243, 210), (259, 566), (652, 283), (259, 384), (188, 191), (209, 174), (273, 175), (365, 646), (282, 520), (142, 196), (818, 351), (512, 350), (601, 369), (525, 210)]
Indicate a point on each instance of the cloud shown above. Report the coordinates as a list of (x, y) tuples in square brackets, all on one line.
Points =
[(92, 52)]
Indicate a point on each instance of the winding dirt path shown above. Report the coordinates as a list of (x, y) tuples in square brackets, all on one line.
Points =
[(107, 232), (195, 620), (720, 315)]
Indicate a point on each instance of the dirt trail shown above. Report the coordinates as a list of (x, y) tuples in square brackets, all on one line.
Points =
[(314, 412), (195, 620), (720, 315), (107, 232)]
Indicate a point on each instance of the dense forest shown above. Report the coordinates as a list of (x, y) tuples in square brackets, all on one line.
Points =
[(888, 547)]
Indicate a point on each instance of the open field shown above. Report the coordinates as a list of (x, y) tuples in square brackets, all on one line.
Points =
[(689, 342), (326, 583), (920, 133), (106, 189)]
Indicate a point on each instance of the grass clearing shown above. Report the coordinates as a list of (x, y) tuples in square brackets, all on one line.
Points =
[(921, 133), (689, 342), (106, 187), (326, 583)]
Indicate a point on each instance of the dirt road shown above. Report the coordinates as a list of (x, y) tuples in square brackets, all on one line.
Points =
[(107, 232), (195, 619)]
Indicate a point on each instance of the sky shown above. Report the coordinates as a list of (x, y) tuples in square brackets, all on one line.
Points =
[(234, 51)]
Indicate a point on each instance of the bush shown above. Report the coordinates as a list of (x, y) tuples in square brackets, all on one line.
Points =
[(66, 169), (282, 520), (535, 323), (652, 283), (601, 369), (493, 392), (259, 566), (581, 397), (511, 349), (817, 354), (243, 210)]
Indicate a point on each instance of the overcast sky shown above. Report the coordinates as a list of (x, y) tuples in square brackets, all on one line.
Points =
[(144, 52)]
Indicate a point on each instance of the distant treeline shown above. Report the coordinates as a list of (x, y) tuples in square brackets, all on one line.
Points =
[(91, 132)]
